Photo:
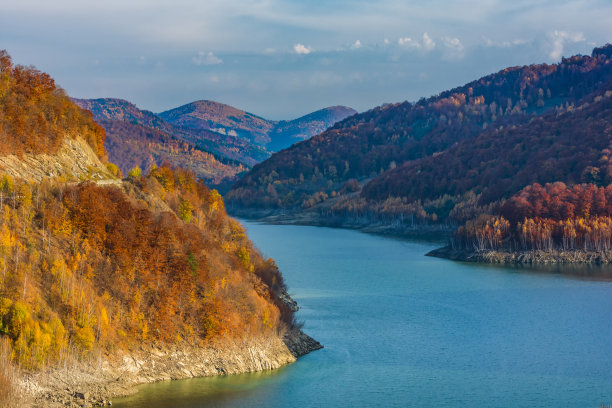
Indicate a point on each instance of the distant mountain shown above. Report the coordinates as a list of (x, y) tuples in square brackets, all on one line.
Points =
[(273, 135), (136, 137), (220, 118), (216, 141), (286, 133), (390, 149), (121, 110)]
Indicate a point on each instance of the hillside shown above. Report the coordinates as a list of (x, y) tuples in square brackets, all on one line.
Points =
[(288, 132), (100, 281), (217, 142), (227, 120), (129, 145), (36, 115), (567, 146), (136, 137), (220, 118), (329, 169)]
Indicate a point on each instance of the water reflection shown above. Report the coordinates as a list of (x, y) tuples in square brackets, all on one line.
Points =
[(220, 391)]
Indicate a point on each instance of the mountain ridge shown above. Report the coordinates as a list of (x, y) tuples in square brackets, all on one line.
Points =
[(226, 119), (365, 146), (136, 137)]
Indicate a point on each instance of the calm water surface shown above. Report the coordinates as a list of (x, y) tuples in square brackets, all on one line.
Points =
[(404, 330)]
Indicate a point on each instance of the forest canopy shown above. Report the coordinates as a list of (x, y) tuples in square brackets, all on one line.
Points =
[(36, 115)]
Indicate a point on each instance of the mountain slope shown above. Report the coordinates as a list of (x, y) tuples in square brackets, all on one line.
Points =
[(221, 118), (137, 137), (131, 145), (286, 133), (366, 145), (272, 135), (570, 146), (102, 286)]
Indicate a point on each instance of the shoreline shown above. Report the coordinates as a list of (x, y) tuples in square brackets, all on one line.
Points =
[(94, 382), (536, 257), (428, 232)]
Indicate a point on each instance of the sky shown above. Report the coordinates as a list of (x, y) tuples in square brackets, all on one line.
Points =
[(281, 59)]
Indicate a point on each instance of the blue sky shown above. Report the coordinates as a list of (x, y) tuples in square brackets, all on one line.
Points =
[(282, 59)]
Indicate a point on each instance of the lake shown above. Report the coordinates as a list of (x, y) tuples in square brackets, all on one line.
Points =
[(401, 329)]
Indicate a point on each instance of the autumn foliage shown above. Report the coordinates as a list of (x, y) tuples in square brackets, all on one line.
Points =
[(84, 267), (549, 217), (390, 144), (36, 115)]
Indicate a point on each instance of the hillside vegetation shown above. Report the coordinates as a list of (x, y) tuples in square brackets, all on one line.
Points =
[(139, 138), (217, 142), (91, 269), (371, 145), (272, 135), (36, 115)]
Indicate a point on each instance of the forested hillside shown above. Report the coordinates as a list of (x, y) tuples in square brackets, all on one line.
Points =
[(570, 146), (36, 115), (136, 137), (217, 142), (273, 135), (92, 269), (375, 145)]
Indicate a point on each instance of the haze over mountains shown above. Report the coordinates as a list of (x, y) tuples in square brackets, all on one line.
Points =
[(216, 141)]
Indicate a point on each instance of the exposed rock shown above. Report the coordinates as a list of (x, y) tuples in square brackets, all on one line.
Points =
[(299, 343), (75, 161), (94, 382)]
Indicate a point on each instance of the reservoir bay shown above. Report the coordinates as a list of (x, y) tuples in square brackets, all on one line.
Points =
[(402, 329)]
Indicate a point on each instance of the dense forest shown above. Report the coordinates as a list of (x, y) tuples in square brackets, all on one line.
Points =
[(550, 217), (374, 145), (85, 266), (36, 115), (570, 145), (88, 268)]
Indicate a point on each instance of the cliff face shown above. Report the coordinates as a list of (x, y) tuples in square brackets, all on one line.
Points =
[(74, 161)]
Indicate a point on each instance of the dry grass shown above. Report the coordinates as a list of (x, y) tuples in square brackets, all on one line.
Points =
[(10, 392)]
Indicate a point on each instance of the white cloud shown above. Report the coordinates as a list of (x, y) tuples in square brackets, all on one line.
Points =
[(504, 44), (560, 38), (453, 47), (409, 42), (453, 44), (301, 49), (428, 43), (204, 58)]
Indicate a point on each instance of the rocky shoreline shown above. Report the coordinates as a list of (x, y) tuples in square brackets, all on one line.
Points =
[(524, 257), (364, 224), (95, 382)]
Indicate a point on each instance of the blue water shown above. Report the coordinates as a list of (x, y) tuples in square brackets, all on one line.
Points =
[(404, 330)]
